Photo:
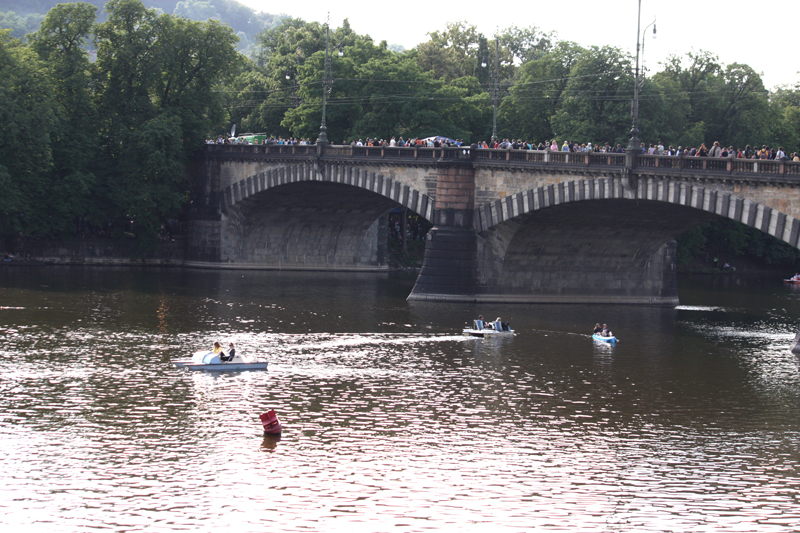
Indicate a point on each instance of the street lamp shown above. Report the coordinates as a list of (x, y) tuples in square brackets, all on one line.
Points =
[(327, 83), (495, 89), (634, 142)]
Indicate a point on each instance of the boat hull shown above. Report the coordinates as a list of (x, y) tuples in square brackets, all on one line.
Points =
[(604, 339), (483, 333), (222, 367)]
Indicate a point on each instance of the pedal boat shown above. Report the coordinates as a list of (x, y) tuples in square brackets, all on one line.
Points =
[(209, 361), (485, 329), (612, 339)]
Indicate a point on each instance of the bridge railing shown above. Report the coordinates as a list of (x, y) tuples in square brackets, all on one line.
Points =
[(534, 157), (266, 149), (718, 164)]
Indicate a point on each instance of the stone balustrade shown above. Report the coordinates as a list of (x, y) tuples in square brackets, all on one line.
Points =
[(482, 156)]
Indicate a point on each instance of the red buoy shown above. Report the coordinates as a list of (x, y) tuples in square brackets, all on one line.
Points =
[(270, 422)]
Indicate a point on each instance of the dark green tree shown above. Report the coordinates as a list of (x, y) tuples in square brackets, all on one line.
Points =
[(28, 113), (157, 79), (595, 104), (60, 43), (527, 112)]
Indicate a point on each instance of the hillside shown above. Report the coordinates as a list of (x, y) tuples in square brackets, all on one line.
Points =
[(24, 16)]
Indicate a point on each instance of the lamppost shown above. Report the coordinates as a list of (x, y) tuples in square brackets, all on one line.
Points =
[(495, 89), (291, 77), (327, 83), (634, 142)]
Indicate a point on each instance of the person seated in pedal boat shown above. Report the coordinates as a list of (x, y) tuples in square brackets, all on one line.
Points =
[(606, 332), (597, 329), (231, 352)]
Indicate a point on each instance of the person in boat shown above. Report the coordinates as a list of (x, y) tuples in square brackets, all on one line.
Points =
[(231, 352), (606, 332), (597, 329), (217, 348)]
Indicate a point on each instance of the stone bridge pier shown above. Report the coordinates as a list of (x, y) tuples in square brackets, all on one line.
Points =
[(576, 242)]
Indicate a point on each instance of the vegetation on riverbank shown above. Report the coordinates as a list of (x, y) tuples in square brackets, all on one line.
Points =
[(710, 246), (100, 144)]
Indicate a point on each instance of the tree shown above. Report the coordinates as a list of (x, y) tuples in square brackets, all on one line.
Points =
[(527, 44), (20, 25), (60, 43), (198, 10), (595, 104), (452, 53), (527, 112), (27, 111), (730, 102), (156, 77)]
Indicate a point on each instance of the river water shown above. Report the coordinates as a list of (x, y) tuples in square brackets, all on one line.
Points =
[(392, 420)]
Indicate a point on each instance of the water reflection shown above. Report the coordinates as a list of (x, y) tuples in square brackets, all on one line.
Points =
[(270, 442), (392, 417)]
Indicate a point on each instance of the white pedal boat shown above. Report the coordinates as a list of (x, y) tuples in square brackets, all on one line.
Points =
[(205, 360), (484, 329)]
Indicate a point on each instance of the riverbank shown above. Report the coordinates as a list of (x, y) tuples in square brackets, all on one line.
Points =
[(108, 252), (738, 265)]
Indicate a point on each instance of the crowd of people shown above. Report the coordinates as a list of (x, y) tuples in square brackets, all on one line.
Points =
[(415, 229), (716, 150), (267, 140)]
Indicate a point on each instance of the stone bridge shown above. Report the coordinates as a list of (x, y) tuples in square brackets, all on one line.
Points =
[(509, 225)]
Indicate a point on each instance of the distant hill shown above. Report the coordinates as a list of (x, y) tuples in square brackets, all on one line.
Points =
[(24, 16)]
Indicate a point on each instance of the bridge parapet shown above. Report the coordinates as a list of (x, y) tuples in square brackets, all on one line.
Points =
[(645, 164)]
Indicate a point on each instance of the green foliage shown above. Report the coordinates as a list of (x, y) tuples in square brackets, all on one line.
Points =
[(20, 25), (691, 244), (157, 77), (595, 105), (106, 142), (725, 103), (24, 16), (528, 111), (729, 240), (28, 113)]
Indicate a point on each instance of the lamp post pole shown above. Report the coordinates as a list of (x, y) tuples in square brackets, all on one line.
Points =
[(634, 143), (327, 82), (496, 90)]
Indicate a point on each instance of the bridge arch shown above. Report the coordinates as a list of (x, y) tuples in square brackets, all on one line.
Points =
[(313, 216), (679, 193), (354, 176), (600, 240)]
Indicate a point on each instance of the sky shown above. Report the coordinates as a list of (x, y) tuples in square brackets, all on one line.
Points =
[(736, 31)]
